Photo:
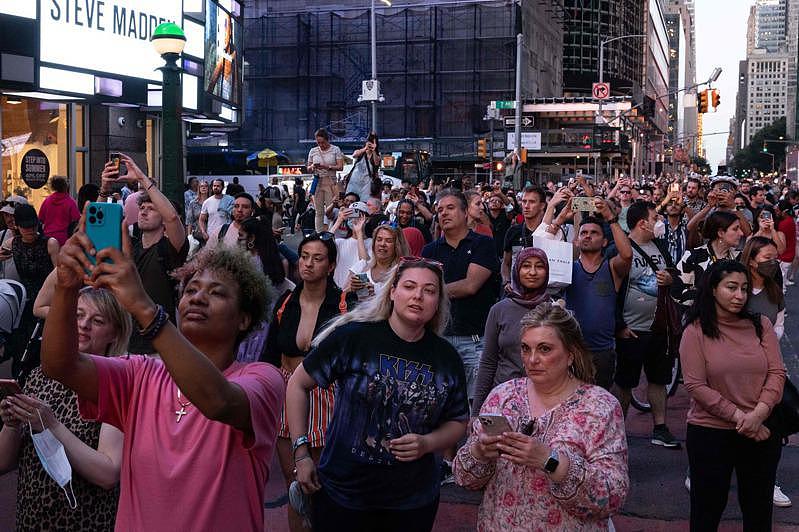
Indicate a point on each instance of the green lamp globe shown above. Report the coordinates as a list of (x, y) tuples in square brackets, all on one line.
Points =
[(168, 38)]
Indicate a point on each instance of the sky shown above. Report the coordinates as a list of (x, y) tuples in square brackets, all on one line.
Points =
[(720, 41)]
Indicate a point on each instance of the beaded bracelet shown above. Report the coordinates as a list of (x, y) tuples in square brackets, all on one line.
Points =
[(152, 330)]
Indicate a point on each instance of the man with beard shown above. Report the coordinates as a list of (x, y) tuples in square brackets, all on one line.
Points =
[(595, 285), (243, 207)]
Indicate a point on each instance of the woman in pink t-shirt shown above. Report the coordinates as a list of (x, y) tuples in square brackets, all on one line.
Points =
[(199, 427)]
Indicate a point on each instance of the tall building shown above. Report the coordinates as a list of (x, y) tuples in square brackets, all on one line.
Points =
[(682, 74), (751, 30), (588, 25), (439, 64), (767, 96), (771, 25), (772, 64), (741, 99), (635, 67), (792, 36)]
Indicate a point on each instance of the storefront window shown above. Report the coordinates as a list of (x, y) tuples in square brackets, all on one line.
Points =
[(34, 139)]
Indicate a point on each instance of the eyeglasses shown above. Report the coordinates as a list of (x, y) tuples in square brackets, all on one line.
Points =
[(421, 260), (324, 236), (625, 191)]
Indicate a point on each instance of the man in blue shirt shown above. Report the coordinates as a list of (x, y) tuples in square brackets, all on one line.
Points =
[(595, 285), (471, 271)]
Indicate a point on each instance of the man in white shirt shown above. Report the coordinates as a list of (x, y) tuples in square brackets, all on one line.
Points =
[(216, 212), (243, 207)]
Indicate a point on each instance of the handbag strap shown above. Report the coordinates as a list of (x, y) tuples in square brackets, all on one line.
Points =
[(645, 255)]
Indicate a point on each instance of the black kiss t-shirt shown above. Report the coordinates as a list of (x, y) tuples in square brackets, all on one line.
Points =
[(385, 388)]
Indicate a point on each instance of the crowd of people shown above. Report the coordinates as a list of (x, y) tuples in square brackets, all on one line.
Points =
[(434, 332)]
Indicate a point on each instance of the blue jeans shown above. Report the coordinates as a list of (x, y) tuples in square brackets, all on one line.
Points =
[(470, 349)]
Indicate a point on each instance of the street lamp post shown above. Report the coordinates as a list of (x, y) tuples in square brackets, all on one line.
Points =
[(169, 40), (374, 57), (602, 63)]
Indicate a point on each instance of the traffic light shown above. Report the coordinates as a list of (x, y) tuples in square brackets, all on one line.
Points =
[(523, 156), (716, 100), (765, 148), (498, 166), (703, 101), (482, 148)]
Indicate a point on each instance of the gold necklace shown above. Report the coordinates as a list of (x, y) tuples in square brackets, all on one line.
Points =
[(182, 412)]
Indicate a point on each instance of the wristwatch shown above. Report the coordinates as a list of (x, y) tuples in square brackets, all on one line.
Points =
[(552, 462)]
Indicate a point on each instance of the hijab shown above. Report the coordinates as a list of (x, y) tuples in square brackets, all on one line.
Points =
[(520, 294), (415, 240)]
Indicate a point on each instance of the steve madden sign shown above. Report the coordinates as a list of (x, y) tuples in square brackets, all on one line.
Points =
[(106, 36)]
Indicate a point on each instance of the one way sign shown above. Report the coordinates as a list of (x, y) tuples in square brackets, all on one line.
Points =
[(510, 121)]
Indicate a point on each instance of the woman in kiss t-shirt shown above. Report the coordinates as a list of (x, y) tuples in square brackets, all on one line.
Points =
[(199, 427), (400, 401)]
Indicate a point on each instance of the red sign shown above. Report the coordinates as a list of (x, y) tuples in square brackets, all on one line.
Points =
[(600, 91)]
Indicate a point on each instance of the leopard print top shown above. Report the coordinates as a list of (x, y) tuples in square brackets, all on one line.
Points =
[(41, 504)]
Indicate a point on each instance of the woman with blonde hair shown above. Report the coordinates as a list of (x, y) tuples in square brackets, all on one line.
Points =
[(388, 246), (400, 401), (49, 410), (561, 463)]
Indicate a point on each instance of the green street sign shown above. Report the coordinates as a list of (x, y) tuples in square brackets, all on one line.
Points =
[(504, 104)]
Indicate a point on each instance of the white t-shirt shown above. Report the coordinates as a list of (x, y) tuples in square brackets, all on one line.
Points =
[(217, 217), (362, 266), (347, 258)]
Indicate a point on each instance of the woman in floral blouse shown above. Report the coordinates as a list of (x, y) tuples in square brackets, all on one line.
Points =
[(565, 466)]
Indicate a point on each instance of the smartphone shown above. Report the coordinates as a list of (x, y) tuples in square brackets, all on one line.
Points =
[(5, 249), (494, 424), (583, 204), (9, 387), (104, 226), (119, 163), (674, 187), (766, 215), (362, 277), (725, 187)]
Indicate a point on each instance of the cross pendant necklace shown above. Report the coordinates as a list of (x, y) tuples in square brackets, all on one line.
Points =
[(182, 412)]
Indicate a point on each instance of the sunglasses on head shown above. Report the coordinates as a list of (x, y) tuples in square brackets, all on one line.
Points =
[(324, 236), (421, 260)]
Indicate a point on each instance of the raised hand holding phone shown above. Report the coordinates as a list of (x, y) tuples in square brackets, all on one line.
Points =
[(104, 226)]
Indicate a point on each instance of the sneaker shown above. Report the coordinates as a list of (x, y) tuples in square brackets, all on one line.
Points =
[(780, 499), (446, 473), (688, 484), (664, 438)]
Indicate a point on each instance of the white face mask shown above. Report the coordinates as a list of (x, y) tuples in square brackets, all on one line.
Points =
[(660, 229), (54, 460)]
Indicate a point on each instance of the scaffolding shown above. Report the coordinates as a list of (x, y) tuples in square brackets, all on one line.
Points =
[(439, 67)]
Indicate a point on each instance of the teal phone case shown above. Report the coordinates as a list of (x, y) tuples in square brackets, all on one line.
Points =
[(104, 226)]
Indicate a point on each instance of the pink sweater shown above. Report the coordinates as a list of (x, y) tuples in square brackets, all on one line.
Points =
[(733, 371)]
